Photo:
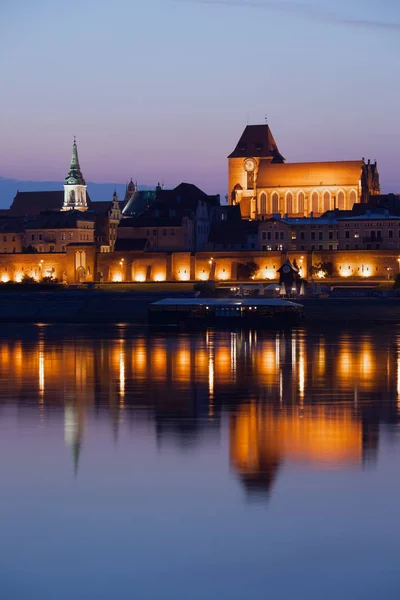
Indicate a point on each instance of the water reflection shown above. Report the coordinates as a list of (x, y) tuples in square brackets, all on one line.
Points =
[(315, 400)]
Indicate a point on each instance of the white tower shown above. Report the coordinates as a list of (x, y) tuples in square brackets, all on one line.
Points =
[(75, 185)]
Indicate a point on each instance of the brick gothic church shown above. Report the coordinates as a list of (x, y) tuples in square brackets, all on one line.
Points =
[(263, 184)]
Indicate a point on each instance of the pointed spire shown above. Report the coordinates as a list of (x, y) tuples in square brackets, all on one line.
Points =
[(74, 176)]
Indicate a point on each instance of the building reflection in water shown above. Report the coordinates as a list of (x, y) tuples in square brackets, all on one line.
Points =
[(286, 397)]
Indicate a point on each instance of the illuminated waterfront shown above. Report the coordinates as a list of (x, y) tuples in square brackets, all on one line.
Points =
[(215, 465)]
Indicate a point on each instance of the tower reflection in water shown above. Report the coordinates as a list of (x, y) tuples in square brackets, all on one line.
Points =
[(318, 400)]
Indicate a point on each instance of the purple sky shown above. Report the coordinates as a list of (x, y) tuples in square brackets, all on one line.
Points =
[(161, 89)]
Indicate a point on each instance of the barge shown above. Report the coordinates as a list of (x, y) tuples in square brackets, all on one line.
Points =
[(214, 312)]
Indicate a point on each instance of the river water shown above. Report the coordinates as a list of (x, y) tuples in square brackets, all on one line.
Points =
[(248, 465)]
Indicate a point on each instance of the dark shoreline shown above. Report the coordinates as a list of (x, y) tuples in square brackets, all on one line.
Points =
[(76, 306)]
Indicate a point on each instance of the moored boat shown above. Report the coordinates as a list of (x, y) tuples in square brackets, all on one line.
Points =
[(238, 312)]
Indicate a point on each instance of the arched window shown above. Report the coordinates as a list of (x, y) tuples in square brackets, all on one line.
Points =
[(353, 198), (72, 197), (263, 204), (340, 201), (300, 203), (289, 203), (327, 201), (314, 202), (275, 203)]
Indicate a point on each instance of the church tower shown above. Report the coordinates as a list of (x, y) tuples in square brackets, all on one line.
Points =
[(75, 185)]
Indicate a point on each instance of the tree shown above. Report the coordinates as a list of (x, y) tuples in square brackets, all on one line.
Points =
[(29, 250), (27, 279), (322, 269), (247, 270)]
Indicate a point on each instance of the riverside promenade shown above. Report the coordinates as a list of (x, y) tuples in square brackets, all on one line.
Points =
[(131, 306)]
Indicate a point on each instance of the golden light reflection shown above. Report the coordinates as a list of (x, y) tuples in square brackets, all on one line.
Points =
[(122, 374), (261, 438), (398, 381), (302, 370), (41, 372)]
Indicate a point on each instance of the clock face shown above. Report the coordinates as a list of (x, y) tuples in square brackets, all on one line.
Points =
[(249, 165), (286, 269)]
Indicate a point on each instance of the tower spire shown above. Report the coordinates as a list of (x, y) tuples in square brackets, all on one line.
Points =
[(75, 176), (74, 184)]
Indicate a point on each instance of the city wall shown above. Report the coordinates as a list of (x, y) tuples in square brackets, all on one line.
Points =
[(82, 263)]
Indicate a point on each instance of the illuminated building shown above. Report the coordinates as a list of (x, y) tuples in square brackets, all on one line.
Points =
[(263, 184)]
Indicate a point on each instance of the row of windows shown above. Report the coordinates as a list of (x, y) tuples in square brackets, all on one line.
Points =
[(164, 232), (372, 234), (280, 235), (5, 238), (296, 204), (371, 224), (267, 235)]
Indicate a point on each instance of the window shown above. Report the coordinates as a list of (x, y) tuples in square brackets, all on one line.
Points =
[(32, 237), (282, 235), (391, 233), (263, 204), (340, 201), (320, 247), (331, 235), (275, 203), (300, 203), (154, 232), (353, 198), (314, 202), (289, 203), (320, 236), (71, 235), (172, 231), (327, 201), (302, 235), (51, 248), (13, 237), (63, 236), (164, 232), (330, 247), (14, 250), (347, 234), (313, 235), (4, 238), (269, 235), (277, 235), (264, 235)]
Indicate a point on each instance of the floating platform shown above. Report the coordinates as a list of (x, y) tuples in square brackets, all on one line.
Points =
[(239, 312)]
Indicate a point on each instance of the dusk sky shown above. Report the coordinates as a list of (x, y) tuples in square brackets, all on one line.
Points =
[(162, 89)]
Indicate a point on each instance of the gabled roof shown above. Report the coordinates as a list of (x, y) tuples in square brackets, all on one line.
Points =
[(59, 220), (126, 244), (257, 141), (186, 195), (12, 225), (225, 232), (312, 174), (34, 203), (101, 208)]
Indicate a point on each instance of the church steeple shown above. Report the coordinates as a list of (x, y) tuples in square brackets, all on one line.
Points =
[(75, 185), (74, 176)]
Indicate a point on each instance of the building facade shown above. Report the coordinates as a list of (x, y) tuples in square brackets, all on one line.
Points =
[(263, 184)]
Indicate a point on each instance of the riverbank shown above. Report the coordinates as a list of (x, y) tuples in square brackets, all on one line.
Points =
[(95, 306)]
